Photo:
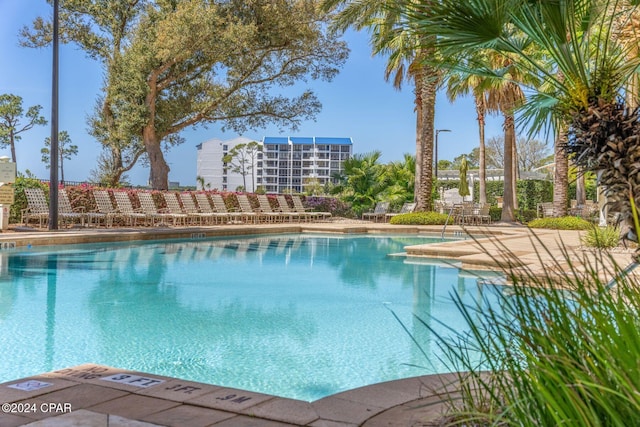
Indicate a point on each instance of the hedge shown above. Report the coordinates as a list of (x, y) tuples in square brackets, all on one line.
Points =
[(561, 223), (420, 218), (530, 191)]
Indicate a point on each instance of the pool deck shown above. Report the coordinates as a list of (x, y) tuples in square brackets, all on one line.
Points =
[(94, 395)]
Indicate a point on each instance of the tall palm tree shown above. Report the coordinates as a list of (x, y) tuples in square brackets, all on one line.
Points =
[(504, 95), (497, 89), (460, 83), (406, 52)]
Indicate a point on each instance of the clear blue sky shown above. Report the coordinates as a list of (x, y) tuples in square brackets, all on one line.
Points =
[(358, 103)]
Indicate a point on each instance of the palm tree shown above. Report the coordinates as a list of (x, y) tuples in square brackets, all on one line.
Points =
[(584, 64), (504, 95), (406, 51), (461, 83), (493, 93), (363, 180), (401, 180)]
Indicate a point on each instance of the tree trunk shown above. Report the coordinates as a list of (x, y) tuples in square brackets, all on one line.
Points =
[(13, 148), (159, 167), (482, 197), (515, 165), (561, 177), (509, 135), (61, 169), (427, 118), (581, 191), (418, 109)]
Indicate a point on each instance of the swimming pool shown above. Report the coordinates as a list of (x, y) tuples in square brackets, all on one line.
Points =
[(299, 316)]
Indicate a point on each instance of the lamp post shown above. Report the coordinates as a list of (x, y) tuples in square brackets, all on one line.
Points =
[(290, 165), (435, 152), (53, 181)]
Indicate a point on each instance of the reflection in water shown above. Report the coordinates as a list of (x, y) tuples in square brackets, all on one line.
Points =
[(52, 279), (300, 316)]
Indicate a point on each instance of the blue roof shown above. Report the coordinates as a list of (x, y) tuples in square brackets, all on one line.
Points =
[(306, 140)]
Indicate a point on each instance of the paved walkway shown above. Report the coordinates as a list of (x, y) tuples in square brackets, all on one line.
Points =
[(93, 395)]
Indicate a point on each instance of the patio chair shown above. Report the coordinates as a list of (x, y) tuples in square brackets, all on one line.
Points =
[(247, 209), (106, 211), (284, 207), (37, 207), (148, 206), (378, 214), (221, 207), (406, 208), (175, 210), (267, 211), (466, 213), (299, 207), (125, 208), (484, 215), (545, 209), (202, 212), (66, 212)]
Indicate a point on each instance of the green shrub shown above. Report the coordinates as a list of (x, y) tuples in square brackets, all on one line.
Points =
[(421, 218), (495, 213), (561, 223), (602, 237), (20, 201), (526, 215)]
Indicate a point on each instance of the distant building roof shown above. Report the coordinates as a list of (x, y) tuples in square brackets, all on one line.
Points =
[(233, 141), (306, 140)]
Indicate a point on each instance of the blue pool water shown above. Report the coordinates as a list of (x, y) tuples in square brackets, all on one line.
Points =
[(299, 316)]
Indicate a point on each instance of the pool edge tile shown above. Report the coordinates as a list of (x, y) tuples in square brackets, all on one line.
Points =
[(179, 390)]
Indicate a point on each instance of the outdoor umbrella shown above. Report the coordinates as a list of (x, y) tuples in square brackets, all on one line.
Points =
[(463, 188)]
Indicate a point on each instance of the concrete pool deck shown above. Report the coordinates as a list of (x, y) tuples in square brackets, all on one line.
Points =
[(93, 395)]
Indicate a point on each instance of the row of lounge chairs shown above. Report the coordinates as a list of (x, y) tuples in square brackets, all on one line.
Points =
[(187, 208), (381, 212)]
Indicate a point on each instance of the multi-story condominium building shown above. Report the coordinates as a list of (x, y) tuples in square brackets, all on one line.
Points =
[(291, 164), (285, 165), (214, 173)]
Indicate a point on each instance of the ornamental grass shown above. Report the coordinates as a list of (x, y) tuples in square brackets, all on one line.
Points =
[(557, 349), (602, 237)]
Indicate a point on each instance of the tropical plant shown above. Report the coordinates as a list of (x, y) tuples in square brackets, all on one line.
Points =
[(200, 182), (602, 237), (12, 116), (461, 83), (65, 150), (406, 52), (400, 178), (587, 67), (362, 181)]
